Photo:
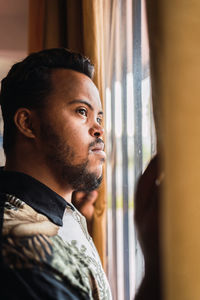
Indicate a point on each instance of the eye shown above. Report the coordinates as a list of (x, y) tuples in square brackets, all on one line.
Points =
[(99, 120), (82, 111)]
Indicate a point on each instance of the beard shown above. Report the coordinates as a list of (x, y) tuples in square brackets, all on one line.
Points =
[(59, 156)]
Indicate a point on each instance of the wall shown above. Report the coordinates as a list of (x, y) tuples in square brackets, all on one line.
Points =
[(13, 40)]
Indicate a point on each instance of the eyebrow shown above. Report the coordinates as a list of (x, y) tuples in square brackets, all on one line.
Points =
[(86, 103)]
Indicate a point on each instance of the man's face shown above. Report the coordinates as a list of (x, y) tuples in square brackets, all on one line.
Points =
[(71, 130)]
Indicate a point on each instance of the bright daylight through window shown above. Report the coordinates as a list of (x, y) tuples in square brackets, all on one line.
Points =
[(130, 137)]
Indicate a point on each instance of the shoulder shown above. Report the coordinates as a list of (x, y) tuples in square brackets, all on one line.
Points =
[(21, 220), (32, 248)]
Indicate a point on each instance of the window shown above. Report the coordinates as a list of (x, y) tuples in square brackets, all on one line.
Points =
[(130, 137)]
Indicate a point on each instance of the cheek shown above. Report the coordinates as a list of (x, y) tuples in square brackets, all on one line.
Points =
[(77, 139), (75, 132)]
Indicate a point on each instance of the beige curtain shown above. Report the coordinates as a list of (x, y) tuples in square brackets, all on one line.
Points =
[(174, 31), (77, 25)]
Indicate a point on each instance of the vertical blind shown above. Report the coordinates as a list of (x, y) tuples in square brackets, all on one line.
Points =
[(130, 137)]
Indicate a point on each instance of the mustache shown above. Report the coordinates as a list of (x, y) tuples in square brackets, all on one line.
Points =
[(97, 141)]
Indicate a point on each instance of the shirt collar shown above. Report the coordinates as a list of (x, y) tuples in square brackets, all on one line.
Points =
[(34, 193)]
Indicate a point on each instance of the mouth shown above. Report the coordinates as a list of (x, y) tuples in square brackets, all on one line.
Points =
[(98, 149)]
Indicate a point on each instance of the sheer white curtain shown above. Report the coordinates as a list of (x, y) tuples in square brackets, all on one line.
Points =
[(130, 136)]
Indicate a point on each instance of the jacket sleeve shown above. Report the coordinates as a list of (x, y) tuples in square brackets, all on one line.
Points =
[(34, 284)]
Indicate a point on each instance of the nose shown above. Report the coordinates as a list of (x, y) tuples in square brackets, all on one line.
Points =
[(96, 131)]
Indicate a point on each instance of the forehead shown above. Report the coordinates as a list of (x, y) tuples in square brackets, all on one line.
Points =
[(69, 85)]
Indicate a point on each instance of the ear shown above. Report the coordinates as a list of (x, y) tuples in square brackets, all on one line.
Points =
[(23, 119)]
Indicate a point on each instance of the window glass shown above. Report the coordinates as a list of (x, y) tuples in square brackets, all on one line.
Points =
[(130, 137)]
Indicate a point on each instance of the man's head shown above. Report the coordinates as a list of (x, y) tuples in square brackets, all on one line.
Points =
[(50, 101)]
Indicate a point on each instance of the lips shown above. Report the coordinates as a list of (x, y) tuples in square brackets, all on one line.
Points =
[(98, 149)]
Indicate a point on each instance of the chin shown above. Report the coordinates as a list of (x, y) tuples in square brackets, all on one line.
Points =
[(97, 171)]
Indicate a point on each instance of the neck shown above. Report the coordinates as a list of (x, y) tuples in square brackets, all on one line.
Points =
[(42, 173)]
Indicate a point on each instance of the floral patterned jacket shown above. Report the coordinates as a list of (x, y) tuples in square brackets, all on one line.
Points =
[(46, 251)]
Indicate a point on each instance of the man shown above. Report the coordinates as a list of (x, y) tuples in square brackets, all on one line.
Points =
[(53, 145)]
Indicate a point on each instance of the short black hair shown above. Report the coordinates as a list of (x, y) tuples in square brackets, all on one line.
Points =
[(28, 84)]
